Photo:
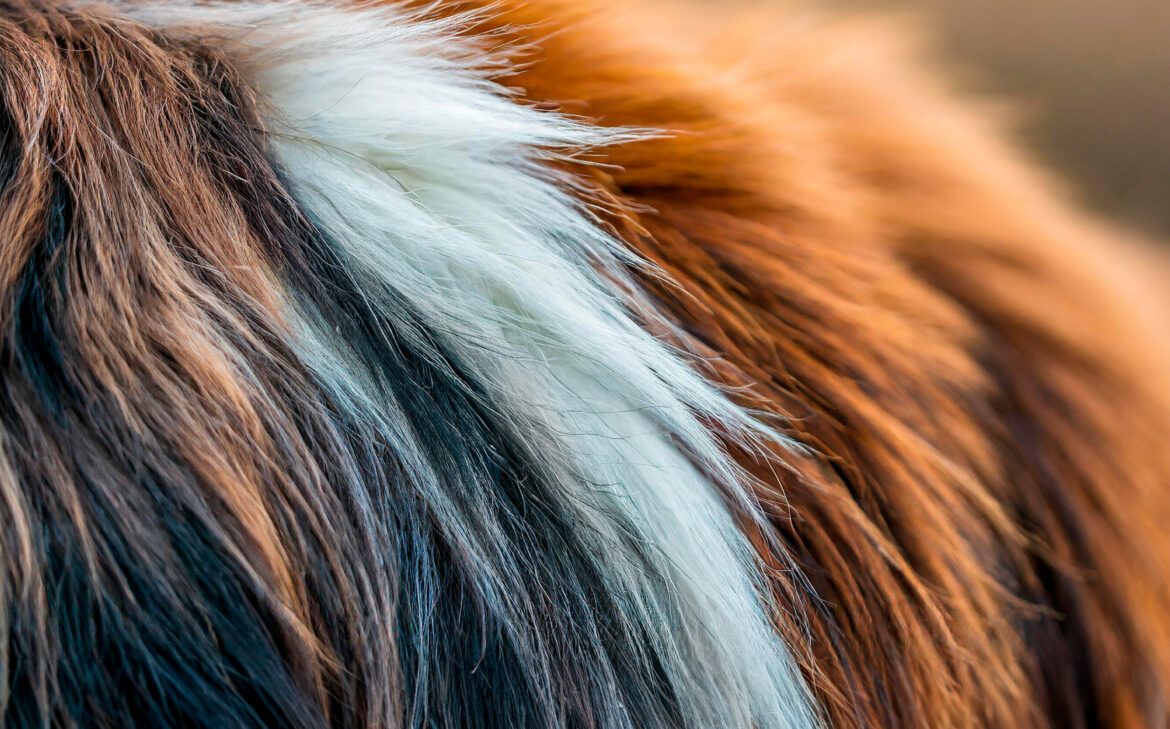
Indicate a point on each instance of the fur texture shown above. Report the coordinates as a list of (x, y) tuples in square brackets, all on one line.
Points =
[(491, 365)]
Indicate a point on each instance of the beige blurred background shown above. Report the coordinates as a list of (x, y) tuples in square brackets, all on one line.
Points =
[(1092, 78)]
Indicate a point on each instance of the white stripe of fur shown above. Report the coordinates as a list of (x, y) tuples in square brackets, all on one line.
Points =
[(405, 150)]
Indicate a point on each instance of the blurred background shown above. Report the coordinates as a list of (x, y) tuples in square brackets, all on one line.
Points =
[(1092, 78)]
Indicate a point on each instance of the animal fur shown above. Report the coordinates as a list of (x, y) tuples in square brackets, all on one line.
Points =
[(517, 364)]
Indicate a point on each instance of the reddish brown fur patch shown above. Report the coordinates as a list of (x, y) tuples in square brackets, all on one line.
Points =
[(982, 512)]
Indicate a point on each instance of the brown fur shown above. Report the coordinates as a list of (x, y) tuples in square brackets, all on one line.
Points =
[(144, 356), (974, 368), (982, 388)]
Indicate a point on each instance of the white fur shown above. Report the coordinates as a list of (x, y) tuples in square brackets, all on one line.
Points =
[(404, 149)]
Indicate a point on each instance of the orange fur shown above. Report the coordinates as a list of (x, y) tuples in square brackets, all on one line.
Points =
[(983, 394)]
